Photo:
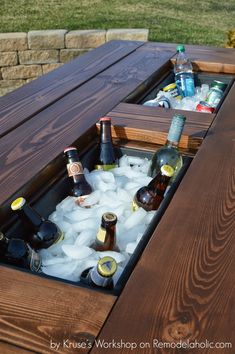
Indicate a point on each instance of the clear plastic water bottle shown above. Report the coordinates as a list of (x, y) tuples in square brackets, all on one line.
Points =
[(183, 70)]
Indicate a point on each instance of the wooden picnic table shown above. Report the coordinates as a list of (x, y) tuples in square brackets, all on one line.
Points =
[(182, 288)]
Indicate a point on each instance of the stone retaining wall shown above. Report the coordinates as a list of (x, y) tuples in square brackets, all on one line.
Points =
[(26, 56)]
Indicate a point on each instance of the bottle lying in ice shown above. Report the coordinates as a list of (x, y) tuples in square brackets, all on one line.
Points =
[(80, 188), (106, 236), (151, 196), (102, 274), (169, 153), (106, 156), (15, 251), (184, 76), (39, 233)]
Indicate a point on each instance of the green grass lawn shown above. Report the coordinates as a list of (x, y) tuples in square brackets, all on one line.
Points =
[(195, 22)]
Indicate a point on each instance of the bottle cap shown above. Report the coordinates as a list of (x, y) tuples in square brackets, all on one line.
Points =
[(167, 170), (180, 48), (107, 266), (109, 218), (169, 87), (69, 148), (105, 119), (18, 203)]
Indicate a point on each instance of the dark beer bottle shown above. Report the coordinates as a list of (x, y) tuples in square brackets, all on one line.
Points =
[(40, 233), (106, 236), (80, 187), (106, 157), (102, 274), (151, 196), (16, 252)]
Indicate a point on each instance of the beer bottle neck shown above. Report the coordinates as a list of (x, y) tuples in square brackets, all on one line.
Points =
[(28, 214), (159, 183), (105, 132)]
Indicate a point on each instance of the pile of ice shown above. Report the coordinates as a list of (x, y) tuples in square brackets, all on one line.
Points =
[(187, 103), (113, 192)]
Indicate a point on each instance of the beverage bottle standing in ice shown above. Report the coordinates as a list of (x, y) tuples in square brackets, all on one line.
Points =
[(102, 274), (183, 70), (15, 251), (106, 236), (106, 156), (169, 153), (80, 188), (39, 233), (151, 196)]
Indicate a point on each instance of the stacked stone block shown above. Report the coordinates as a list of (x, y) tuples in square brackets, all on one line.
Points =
[(26, 56)]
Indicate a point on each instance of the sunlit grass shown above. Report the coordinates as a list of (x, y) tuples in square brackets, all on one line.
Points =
[(195, 22)]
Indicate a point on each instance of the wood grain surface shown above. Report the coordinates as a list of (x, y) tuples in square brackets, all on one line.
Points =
[(183, 286), (20, 105), (7, 348), (151, 124), (42, 138), (36, 312)]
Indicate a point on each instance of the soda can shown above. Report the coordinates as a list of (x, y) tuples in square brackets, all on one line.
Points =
[(215, 93), (163, 102), (204, 107), (172, 89)]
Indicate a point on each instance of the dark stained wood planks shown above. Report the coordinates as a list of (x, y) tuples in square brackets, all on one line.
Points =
[(21, 104), (151, 124), (7, 348), (183, 286), (35, 311), (40, 139)]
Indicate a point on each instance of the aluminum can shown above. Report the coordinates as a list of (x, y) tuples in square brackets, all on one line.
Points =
[(215, 93), (163, 102), (172, 89), (204, 107)]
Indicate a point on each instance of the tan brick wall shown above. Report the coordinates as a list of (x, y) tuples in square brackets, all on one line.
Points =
[(26, 56)]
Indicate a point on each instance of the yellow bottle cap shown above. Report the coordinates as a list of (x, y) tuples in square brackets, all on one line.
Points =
[(18, 203), (169, 87), (107, 266), (167, 170)]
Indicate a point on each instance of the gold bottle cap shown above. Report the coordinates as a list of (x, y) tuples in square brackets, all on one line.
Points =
[(169, 87), (167, 170), (107, 266), (18, 203)]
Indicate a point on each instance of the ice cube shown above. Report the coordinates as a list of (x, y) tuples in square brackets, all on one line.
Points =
[(149, 216), (107, 177), (117, 275), (120, 181), (123, 195), (85, 224), (143, 181), (130, 248), (78, 215), (103, 187), (120, 171), (124, 161), (126, 236), (55, 260), (134, 174), (62, 270), (135, 219), (66, 204), (204, 91), (134, 160), (119, 257), (86, 238), (75, 252), (92, 199)]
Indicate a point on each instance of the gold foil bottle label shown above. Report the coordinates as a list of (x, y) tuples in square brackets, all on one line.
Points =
[(74, 169), (135, 207), (101, 235)]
